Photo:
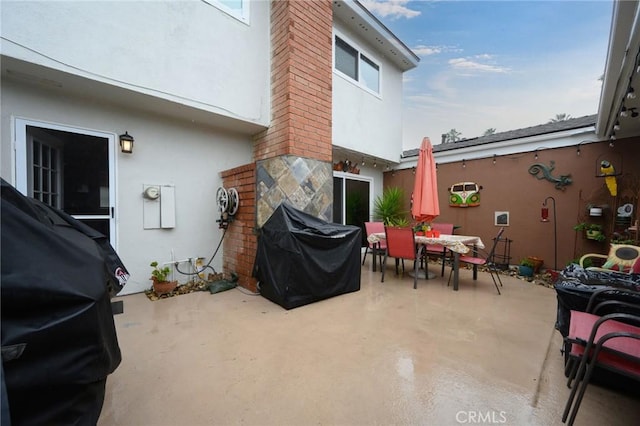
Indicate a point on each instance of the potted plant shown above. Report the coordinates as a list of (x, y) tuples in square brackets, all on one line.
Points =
[(159, 276), (422, 228), (526, 267), (593, 231), (388, 207), (537, 263)]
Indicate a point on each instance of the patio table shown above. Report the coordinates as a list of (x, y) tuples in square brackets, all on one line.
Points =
[(456, 243)]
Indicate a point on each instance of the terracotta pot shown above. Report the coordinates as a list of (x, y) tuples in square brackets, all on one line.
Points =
[(164, 287), (537, 263)]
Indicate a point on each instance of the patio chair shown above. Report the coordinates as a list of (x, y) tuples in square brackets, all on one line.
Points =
[(621, 258), (602, 301), (605, 342), (438, 249), (485, 261), (377, 249), (401, 244)]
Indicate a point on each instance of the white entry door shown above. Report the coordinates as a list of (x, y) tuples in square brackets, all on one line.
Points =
[(70, 169)]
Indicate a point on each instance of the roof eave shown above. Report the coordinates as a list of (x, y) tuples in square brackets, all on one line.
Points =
[(624, 44), (399, 52)]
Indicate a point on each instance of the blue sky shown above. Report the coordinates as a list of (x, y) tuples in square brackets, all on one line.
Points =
[(497, 64)]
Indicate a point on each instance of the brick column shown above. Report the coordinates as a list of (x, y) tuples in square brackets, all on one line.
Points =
[(240, 242), (293, 156), (301, 81)]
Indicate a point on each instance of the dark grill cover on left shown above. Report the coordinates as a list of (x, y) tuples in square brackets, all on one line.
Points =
[(59, 341)]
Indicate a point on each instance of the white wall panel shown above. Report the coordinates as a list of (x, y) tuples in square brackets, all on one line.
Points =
[(185, 51), (166, 152)]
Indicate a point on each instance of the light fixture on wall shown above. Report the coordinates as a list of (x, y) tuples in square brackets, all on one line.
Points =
[(623, 111), (616, 126), (464, 164), (535, 157), (375, 164), (494, 158), (578, 150), (363, 161), (631, 94), (126, 143)]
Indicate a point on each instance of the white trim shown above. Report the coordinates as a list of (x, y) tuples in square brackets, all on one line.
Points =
[(243, 16), (20, 128), (361, 178), (511, 146)]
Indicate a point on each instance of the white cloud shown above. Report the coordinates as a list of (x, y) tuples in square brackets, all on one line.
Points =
[(422, 50), (505, 101), (470, 65), (393, 9)]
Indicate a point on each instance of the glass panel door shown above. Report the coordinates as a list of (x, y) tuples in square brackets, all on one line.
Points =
[(68, 169), (351, 201)]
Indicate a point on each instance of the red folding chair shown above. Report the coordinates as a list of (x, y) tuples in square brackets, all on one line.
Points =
[(377, 249), (401, 244)]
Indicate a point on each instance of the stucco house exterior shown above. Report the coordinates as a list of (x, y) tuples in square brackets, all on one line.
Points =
[(263, 97)]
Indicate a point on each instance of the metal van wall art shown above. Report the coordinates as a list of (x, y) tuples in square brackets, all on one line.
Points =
[(464, 194)]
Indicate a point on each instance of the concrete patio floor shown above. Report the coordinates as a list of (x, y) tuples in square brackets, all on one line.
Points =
[(387, 354)]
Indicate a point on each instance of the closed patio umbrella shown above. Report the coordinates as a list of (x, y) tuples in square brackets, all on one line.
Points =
[(425, 206)]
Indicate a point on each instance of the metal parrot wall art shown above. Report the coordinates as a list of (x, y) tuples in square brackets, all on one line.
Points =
[(608, 171)]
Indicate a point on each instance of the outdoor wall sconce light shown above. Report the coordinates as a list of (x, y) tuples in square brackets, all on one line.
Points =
[(375, 164), (126, 143), (363, 161), (494, 158), (578, 151), (535, 156), (464, 164)]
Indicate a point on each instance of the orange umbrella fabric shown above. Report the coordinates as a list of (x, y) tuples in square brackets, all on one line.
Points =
[(425, 206)]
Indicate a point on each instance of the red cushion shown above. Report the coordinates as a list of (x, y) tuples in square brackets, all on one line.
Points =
[(580, 328)]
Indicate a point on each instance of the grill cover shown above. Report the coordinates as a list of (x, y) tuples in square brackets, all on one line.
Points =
[(302, 259), (59, 340)]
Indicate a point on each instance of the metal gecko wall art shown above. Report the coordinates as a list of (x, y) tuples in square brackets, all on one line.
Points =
[(560, 182)]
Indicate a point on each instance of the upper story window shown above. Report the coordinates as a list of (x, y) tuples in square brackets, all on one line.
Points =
[(354, 64), (239, 9)]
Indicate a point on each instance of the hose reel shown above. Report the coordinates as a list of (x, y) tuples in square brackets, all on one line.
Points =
[(228, 202)]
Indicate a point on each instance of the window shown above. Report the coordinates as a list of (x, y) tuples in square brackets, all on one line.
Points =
[(239, 9), (355, 65), (46, 173)]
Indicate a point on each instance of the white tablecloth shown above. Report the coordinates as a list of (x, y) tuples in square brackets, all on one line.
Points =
[(456, 243)]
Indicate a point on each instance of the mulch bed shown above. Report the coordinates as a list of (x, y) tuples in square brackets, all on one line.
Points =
[(190, 287)]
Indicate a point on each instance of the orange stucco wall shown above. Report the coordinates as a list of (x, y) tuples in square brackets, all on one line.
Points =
[(508, 186)]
